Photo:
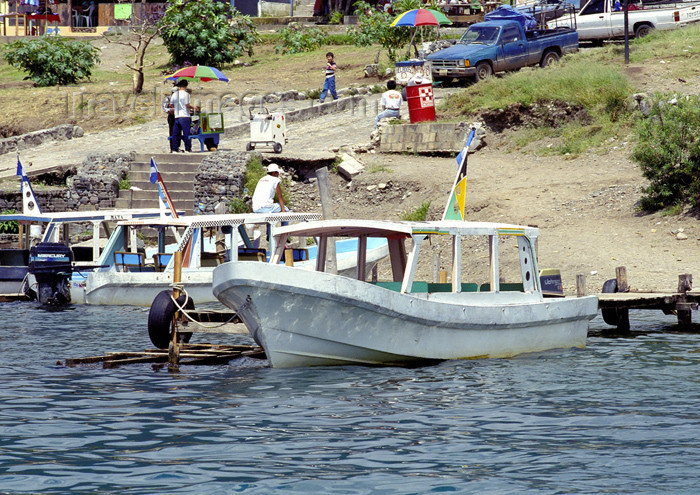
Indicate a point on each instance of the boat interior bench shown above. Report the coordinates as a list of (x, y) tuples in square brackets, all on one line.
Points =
[(252, 254), (132, 262), (430, 287), (161, 260), (14, 257), (298, 254)]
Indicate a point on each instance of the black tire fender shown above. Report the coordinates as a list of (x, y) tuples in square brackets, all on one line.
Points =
[(160, 318), (610, 314)]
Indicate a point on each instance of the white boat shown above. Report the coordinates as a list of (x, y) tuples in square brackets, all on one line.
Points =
[(50, 229), (310, 318), (130, 278)]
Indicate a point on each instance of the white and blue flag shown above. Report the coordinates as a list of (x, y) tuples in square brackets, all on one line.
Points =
[(29, 203), (154, 172)]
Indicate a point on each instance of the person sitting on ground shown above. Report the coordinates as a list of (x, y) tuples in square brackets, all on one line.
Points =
[(265, 191), (391, 103)]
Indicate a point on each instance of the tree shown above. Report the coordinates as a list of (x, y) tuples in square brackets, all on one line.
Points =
[(53, 60), (374, 26), (206, 32), (142, 33)]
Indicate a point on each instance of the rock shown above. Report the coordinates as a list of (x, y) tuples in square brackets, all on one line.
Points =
[(372, 187), (681, 236), (349, 167), (381, 186)]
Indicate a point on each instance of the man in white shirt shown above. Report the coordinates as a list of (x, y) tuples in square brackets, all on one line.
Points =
[(180, 101), (265, 191), (391, 103)]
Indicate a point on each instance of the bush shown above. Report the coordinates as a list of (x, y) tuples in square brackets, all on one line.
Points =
[(9, 226), (374, 26), (52, 60), (206, 32), (668, 152), (238, 205), (418, 215), (256, 171), (297, 39)]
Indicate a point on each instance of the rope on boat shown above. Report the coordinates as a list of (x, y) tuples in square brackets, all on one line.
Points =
[(181, 287)]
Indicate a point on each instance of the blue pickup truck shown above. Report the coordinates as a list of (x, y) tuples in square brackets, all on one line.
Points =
[(501, 45)]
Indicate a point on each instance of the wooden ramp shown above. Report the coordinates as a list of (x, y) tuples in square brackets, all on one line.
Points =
[(190, 354)]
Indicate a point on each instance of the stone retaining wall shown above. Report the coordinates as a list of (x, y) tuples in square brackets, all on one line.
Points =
[(219, 178), (96, 183), (58, 133), (357, 103), (49, 200), (426, 137)]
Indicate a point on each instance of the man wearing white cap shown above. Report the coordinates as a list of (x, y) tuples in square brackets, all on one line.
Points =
[(264, 195)]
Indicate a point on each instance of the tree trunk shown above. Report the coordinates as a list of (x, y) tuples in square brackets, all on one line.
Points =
[(138, 67)]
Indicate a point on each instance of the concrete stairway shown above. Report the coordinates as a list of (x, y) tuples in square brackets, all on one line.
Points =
[(177, 170)]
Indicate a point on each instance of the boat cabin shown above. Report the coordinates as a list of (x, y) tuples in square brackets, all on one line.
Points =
[(205, 240), (485, 257)]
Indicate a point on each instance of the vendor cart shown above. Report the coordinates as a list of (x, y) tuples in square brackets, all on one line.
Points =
[(267, 129)]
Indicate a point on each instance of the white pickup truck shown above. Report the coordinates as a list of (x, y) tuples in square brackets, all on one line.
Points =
[(599, 20)]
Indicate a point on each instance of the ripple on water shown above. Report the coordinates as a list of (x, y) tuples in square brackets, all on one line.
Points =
[(620, 416)]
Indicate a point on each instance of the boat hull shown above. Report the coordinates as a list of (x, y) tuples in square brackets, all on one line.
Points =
[(313, 318)]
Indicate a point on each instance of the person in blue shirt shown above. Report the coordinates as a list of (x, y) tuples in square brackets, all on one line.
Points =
[(616, 6)]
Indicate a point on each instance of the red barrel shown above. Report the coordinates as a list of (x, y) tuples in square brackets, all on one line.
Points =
[(421, 104)]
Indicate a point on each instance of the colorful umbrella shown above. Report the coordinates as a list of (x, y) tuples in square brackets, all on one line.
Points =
[(198, 73), (421, 17)]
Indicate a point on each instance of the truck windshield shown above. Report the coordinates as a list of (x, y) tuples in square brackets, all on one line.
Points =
[(485, 35)]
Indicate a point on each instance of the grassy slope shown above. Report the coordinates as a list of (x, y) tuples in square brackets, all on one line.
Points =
[(593, 79)]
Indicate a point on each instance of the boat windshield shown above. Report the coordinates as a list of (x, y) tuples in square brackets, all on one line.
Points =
[(483, 35)]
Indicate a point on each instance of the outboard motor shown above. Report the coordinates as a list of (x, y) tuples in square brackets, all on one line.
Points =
[(50, 264)]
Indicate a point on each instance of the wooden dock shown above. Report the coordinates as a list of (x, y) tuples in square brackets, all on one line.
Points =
[(617, 299), (190, 354)]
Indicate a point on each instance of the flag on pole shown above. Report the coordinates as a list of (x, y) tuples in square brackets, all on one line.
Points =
[(166, 204), (454, 210), (29, 203), (155, 176)]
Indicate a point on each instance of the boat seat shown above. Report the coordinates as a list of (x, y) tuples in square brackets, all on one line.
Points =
[(132, 262), (211, 259), (14, 257), (447, 287), (504, 287), (298, 254), (396, 286), (252, 254), (161, 260)]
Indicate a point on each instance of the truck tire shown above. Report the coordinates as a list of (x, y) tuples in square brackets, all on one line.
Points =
[(642, 30), (483, 71), (549, 58)]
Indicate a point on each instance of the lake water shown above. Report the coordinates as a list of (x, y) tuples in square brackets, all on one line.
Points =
[(621, 416)]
